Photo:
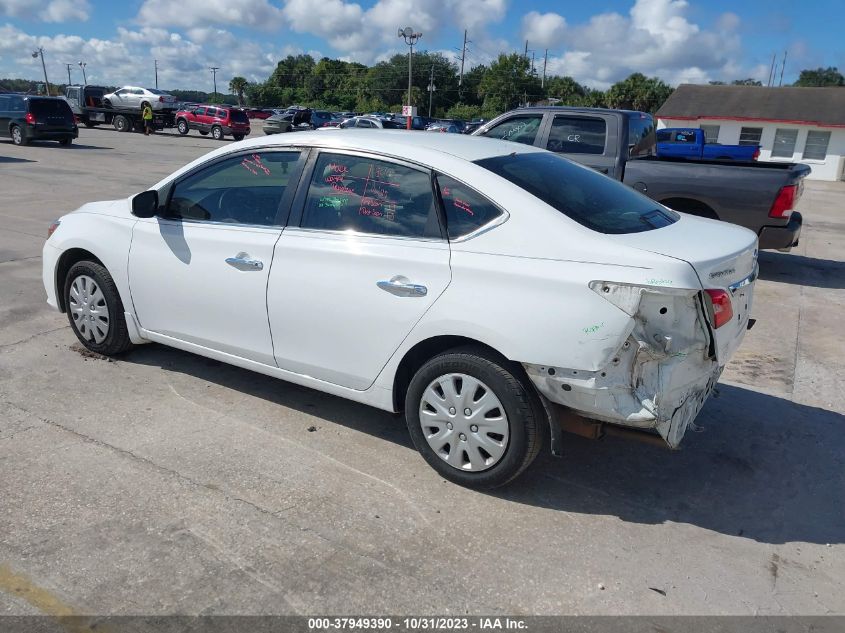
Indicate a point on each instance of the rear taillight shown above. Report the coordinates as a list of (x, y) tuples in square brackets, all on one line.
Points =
[(756, 154), (29, 118), (52, 228), (784, 203), (723, 311), (161, 99)]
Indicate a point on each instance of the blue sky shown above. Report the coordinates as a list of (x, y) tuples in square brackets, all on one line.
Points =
[(595, 42)]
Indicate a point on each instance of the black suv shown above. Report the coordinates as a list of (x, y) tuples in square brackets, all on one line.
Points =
[(27, 118)]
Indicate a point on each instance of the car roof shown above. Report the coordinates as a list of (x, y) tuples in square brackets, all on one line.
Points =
[(423, 148)]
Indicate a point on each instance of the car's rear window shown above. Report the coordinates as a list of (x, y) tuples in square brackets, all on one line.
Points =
[(239, 116), (589, 198), (47, 107)]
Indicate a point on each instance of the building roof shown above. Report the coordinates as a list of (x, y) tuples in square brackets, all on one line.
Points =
[(824, 107)]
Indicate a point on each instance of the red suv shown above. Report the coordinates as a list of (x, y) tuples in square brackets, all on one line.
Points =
[(219, 121)]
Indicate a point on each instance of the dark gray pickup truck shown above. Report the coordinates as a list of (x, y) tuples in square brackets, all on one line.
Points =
[(620, 143)]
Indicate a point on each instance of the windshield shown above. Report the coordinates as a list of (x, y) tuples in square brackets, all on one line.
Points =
[(589, 198), (154, 91)]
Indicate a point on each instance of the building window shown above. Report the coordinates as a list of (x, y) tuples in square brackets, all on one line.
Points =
[(750, 135), (711, 133), (816, 146), (784, 145)]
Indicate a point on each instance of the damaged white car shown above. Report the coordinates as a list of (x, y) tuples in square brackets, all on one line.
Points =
[(487, 289)]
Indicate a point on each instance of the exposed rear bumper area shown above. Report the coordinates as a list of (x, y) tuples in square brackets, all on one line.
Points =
[(782, 237)]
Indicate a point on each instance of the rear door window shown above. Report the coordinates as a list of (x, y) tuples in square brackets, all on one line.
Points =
[(519, 129), (577, 135), (49, 107), (238, 116), (359, 193), (593, 200), (466, 210)]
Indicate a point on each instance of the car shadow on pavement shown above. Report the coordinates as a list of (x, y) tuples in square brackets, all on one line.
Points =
[(762, 468), (11, 159), (801, 270)]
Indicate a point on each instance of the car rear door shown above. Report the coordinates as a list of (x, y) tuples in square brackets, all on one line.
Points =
[(5, 115), (198, 273), (359, 264), (589, 139)]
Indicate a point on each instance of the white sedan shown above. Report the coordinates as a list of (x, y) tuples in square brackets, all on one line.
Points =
[(135, 97), (482, 287)]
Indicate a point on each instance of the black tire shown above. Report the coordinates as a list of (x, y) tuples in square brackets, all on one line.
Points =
[(89, 124), (521, 403), (121, 123), (238, 137), (117, 338), (66, 141), (204, 132), (18, 137), (182, 126), (217, 133)]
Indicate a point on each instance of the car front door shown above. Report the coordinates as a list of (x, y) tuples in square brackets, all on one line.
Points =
[(359, 264), (198, 273)]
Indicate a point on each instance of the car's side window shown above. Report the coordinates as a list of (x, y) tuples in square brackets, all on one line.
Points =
[(466, 209), (577, 135), (199, 111), (520, 129), (16, 104), (4, 103), (244, 189), (367, 195)]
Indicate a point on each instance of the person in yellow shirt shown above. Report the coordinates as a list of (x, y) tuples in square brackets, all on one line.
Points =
[(147, 115)]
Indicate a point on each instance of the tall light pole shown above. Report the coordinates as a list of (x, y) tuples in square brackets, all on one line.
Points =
[(155, 61), (214, 70), (431, 89), (82, 65), (410, 38), (36, 53)]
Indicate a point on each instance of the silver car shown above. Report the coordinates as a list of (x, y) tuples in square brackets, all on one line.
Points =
[(135, 98)]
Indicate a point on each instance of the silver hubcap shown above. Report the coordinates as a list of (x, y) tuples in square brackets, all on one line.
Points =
[(87, 306), (16, 135), (464, 422), (182, 126)]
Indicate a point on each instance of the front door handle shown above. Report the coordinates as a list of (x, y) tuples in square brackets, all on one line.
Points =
[(402, 287), (242, 261)]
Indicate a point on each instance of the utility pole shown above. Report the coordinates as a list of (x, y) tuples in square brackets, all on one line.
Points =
[(214, 70), (36, 53), (772, 71), (533, 69), (431, 89), (526, 50), (545, 63), (782, 68), (410, 38), (463, 58), (155, 61), (69, 81)]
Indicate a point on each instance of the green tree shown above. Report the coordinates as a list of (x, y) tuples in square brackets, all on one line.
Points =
[(237, 86), (566, 89), (464, 112), (820, 77), (638, 92), (508, 82), (746, 82)]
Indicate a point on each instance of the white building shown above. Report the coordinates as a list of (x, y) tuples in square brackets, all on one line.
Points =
[(792, 125)]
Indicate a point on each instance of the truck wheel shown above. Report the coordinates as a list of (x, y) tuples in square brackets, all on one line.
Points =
[(94, 309), (66, 141), (238, 137), (121, 123), (473, 418), (17, 136), (217, 133), (182, 126)]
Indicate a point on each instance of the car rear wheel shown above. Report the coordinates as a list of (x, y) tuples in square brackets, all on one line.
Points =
[(17, 135), (94, 309), (217, 133), (238, 137), (473, 418), (66, 141), (182, 126)]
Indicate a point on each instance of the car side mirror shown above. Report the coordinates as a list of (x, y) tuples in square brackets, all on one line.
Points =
[(145, 204)]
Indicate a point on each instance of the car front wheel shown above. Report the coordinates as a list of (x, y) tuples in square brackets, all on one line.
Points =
[(94, 309), (182, 126), (473, 418)]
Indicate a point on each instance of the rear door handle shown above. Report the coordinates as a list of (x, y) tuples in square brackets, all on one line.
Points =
[(242, 261), (402, 287)]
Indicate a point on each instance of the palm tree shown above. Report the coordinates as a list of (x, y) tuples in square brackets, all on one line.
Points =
[(238, 85)]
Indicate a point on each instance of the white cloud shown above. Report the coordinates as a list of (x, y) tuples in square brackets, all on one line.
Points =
[(47, 10), (544, 30), (258, 14)]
